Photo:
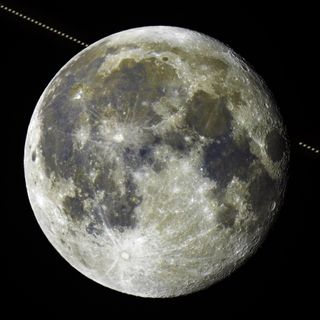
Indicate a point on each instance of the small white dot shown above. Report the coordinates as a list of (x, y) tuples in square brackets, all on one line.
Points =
[(125, 255), (118, 137)]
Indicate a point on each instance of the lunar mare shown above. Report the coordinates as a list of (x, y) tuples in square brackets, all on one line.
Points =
[(155, 161)]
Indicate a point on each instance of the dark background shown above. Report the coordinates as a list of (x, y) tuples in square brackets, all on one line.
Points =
[(280, 43)]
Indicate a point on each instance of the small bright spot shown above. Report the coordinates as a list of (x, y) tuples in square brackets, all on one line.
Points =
[(118, 137), (78, 95), (125, 255)]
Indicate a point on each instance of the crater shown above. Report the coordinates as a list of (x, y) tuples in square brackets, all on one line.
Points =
[(33, 156), (125, 255)]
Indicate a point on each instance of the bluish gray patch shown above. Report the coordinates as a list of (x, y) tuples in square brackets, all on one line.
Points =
[(224, 159), (175, 140), (119, 213), (58, 123), (263, 191), (135, 158), (73, 207), (94, 229)]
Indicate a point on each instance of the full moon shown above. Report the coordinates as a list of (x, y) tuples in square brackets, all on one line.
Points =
[(155, 161)]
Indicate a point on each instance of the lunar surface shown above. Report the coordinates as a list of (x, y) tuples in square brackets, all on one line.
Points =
[(156, 161)]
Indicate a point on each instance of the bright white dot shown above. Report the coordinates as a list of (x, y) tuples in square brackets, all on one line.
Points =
[(125, 255), (118, 137), (78, 95), (176, 190), (40, 200)]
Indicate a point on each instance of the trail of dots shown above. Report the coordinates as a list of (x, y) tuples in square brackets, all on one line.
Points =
[(315, 150), (42, 25), (64, 35)]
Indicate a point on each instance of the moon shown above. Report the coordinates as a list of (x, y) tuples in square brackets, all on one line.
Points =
[(155, 161)]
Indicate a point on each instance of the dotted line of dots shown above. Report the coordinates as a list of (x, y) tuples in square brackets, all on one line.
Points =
[(42, 25), (64, 35), (309, 147)]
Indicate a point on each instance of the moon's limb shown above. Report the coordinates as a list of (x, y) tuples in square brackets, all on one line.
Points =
[(155, 161)]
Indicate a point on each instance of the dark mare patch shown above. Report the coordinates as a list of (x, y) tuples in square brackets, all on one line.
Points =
[(223, 159), (208, 116), (275, 145), (263, 191)]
